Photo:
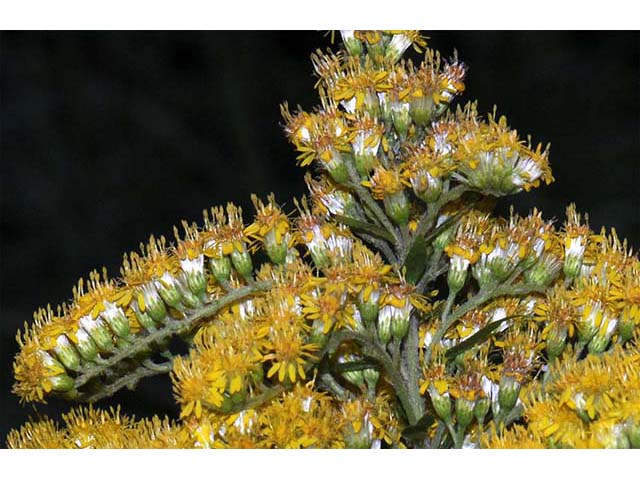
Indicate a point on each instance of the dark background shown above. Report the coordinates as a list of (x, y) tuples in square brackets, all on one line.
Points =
[(109, 137)]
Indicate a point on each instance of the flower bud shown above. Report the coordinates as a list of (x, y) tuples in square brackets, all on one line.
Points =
[(149, 301), (457, 275), (574, 253), (421, 109), (508, 393), (352, 45), (145, 320), (98, 332), (396, 206), (87, 348), (242, 263), (599, 342), (481, 409), (400, 117), (369, 308), (555, 343), (317, 335), (543, 272), (61, 383), (221, 268), (400, 326), (356, 377), (625, 329), (441, 403), (464, 412), (169, 290), (67, 353), (188, 299), (193, 269), (633, 434), (116, 319), (277, 252), (384, 328)]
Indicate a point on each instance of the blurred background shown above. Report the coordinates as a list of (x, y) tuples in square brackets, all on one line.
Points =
[(108, 137)]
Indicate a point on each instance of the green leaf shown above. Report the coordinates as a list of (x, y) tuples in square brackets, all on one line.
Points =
[(365, 227), (478, 337), (416, 260), (354, 366)]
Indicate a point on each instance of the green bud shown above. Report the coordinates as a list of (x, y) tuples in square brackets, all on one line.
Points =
[(457, 275), (86, 346), (169, 290), (601, 340), (369, 309), (221, 268), (352, 45), (625, 330), (98, 332), (396, 206), (116, 319), (421, 110), (242, 263), (441, 403), (400, 326), (508, 393), (356, 377), (277, 252), (61, 383), (67, 353), (145, 320), (482, 273), (481, 409), (384, 328), (556, 343), (633, 434), (464, 412), (572, 265), (153, 303), (401, 118), (543, 272)]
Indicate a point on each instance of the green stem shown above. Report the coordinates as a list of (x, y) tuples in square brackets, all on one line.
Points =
[(171, 328)]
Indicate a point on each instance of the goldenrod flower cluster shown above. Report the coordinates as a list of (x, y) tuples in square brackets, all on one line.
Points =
[(390, 309)]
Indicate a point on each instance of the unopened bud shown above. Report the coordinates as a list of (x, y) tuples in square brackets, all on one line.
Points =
[(98, 332), (242, 263), (369, 308), (508, 393), (384, 328), (396, 206), (61, 383), (150, 301), (441, 403), (422, 109), (221, 268), (481, 409), (457, 275), (464, 412), (67, 353), (116, 319), (277, 252), (86, 346), (400, 118), (169, 290)]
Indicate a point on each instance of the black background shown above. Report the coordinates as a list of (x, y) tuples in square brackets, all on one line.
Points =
[(108, 137)]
